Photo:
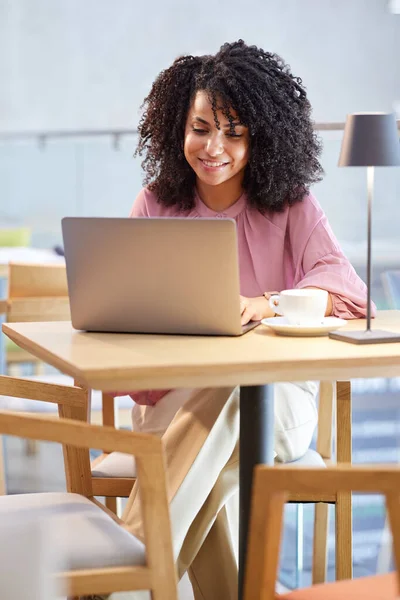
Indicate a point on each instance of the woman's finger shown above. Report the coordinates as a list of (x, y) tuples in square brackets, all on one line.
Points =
[(247, 315), (243, 306)]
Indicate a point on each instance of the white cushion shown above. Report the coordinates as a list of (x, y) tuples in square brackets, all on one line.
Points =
[(28, 558), (116, 464), (88, 537), (310, 459), (23, 404)]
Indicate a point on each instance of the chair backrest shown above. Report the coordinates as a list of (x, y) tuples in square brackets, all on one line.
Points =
[(391, 287), (271, 488), (325, 419), (159, 574), (37, 293)]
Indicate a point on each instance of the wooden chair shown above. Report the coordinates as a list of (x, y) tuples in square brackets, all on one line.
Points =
[(273, 486), (334, 426), (35, 293), (101, 555), (391, 286), (119, 472), (40, 293)]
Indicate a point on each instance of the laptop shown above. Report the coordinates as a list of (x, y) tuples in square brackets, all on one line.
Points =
[(153, 275)]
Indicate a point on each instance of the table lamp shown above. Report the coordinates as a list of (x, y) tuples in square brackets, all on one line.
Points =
[(370, 140)]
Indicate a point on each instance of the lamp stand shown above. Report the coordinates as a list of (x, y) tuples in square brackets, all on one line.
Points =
[(369, 336)]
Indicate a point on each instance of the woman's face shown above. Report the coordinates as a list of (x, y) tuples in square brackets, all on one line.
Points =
[(215, 155)]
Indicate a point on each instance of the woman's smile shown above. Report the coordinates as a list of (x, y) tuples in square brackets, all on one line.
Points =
[(213, 165)]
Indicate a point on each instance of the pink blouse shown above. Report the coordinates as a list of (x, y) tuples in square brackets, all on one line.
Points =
[(295, 248)]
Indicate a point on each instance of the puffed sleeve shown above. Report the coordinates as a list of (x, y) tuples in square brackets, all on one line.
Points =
[(320, 262), (140, 208)]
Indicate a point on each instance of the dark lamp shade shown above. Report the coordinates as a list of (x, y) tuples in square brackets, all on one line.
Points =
[(370, 140)]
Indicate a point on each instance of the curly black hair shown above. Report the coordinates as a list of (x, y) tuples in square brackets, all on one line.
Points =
[(267, 98)]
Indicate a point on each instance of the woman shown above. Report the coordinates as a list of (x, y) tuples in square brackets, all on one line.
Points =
[(231, 135)]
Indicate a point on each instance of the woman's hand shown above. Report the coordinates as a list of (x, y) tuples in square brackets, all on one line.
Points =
[(254, 309)]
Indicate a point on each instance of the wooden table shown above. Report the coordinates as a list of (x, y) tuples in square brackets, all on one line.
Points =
[(111, 362)]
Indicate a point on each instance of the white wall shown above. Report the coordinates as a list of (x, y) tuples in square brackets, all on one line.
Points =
[(67, 64), (88, 63)]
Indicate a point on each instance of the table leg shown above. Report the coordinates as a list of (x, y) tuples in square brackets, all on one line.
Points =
[(256, 446)]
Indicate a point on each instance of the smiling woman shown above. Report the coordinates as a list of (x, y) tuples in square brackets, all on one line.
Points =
[(217, 148), (230, 136)]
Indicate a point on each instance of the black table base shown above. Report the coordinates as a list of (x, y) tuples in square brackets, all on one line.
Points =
[(256, 447)]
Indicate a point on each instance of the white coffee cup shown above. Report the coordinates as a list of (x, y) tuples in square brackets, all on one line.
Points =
[(301, 307)]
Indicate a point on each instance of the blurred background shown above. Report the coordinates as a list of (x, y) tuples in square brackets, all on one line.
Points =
[(73, 76)]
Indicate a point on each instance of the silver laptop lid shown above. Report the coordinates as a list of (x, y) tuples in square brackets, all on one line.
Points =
[(153, 275)]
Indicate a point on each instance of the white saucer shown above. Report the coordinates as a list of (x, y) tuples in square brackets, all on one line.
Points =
[(281, 326)]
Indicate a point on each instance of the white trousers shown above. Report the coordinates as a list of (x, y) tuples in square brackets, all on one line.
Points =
[(200, 432)]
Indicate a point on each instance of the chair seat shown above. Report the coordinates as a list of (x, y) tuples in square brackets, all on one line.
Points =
[(378, 587), (117, 464), (88, 537), (37, 406), (310, 459)]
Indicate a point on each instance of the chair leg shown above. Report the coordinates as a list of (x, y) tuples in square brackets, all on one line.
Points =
[(320, 543), (108, 410), (343, 508), (344, 536), (109, 419), (78, 474), (111, 503)]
